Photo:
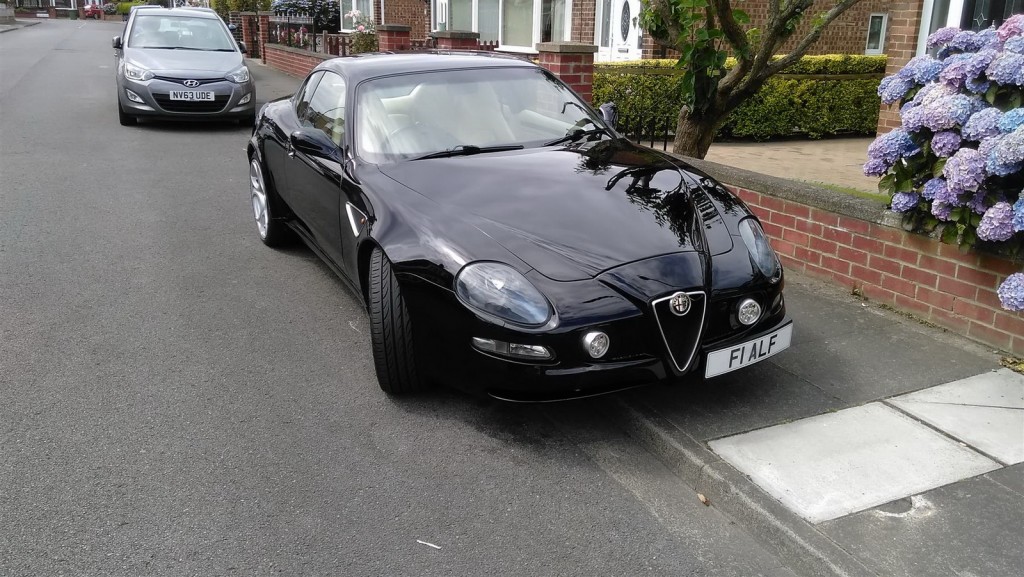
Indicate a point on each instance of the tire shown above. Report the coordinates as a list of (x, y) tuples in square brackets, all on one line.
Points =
[(271, 230), (248, 121), (124, 118), (391, 331)]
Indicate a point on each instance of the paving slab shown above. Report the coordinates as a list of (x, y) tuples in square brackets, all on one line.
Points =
[(985, 411), (973, 528), (1011, 477), (832, 465)]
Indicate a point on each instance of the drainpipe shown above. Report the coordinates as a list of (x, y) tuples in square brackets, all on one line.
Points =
[(382, 12)]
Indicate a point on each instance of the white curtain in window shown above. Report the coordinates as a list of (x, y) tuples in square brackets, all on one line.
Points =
[(517, 23), (552, 20), (487, 19), (460, 15)]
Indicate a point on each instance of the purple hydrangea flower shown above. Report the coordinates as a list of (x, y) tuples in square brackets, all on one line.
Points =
[(977, 86), (1011, 292), (979, 201), (904, 201), (1018, 215), (956, 69), (1014, 26), (933, 188), (943, 36), (986, 145), (888, 149), (932, 92), (923, 69), (1011, 121), (1007, 156), (943, 114), (988, 39), (894, 88), (945, 143), (941, 210), (982, 124), (967, 41), (997, 223), (1007, 68), (965, 171), (875, 167), (1015, 45)]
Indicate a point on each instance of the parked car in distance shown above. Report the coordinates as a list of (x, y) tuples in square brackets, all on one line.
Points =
[(181, 63), (504, 238), (93, 11)]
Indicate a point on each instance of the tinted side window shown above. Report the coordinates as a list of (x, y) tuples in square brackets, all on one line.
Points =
[(327, 108), (302, 97)]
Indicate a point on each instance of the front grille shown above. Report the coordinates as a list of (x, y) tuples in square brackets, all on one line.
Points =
[(181, 81), (192, 106), (681, 333)]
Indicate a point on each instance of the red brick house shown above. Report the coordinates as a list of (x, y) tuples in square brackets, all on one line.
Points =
[(518, 25)]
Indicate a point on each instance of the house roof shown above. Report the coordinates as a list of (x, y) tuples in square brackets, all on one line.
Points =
[(363, 66)]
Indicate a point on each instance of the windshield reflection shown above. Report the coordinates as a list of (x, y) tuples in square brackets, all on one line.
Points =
[(180, 33), (414, 115)]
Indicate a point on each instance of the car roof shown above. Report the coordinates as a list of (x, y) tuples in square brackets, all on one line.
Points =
[(183, 11), (371, 65)]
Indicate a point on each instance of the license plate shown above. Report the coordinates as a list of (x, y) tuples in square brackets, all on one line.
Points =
[(191, 95), (748, 353)]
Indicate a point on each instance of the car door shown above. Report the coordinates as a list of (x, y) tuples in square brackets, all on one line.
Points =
[(314, 176), (277, 150)]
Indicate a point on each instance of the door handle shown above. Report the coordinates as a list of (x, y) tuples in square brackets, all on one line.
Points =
[(291, 150)]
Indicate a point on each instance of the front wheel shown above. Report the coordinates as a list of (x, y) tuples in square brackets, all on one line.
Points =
[(391, 331), (272, 232)]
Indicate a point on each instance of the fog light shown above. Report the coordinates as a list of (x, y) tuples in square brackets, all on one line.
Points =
[(134, 97), (749, 312), (596, 343), (245, 99), (533, 352)]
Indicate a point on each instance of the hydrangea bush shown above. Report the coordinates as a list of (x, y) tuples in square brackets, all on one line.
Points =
[(958, 158), (325, 13)]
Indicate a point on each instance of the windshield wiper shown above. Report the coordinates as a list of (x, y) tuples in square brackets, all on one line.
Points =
[(468, 149), (578, 134)]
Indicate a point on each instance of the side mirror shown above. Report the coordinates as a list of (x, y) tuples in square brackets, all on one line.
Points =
[(610, 113), (116, 42), (316, 144), (232, 27), (241, 46)]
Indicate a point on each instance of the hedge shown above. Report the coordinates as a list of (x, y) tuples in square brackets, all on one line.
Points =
[(126, 7), (817, 96)]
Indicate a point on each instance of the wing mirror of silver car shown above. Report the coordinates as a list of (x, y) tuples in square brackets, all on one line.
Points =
[(116, 42), (241, 46)]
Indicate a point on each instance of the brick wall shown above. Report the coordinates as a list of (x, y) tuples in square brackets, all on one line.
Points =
[(414, 13), (908, 271), (584, 18), (292, 61), (904, 24)]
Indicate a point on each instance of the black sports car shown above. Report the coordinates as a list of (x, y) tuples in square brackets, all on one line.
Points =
[(504, 237)]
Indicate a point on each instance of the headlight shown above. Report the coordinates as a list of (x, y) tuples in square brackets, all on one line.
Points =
[(499, 290), (239, 75), (133, 72), (760, 251)]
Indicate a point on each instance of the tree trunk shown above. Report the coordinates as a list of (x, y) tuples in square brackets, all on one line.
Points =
[(694, 135)]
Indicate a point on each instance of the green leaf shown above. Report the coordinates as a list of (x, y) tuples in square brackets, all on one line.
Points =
[(940, 164), (904, 184), (740, 17), (975, 219), (949, 234), (990, 95), (887, 185)]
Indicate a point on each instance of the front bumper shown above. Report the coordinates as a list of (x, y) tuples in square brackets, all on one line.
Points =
[(156, 102), (639, 354)]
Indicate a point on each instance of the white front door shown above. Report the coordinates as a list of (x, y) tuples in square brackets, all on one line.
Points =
[(617, 32)]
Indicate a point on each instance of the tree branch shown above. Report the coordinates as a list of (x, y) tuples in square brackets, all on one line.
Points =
[(805, 44), (663, 8)]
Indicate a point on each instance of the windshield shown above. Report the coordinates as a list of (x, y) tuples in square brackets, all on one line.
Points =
[(179, 32), (413, 115)]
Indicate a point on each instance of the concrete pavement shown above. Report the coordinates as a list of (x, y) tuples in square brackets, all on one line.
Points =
[(874, 446)]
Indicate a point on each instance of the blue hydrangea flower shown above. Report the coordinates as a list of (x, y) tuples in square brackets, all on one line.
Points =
[(943, 114), (977, 86), (955, 71), (987, 144), (988, 39), (997, 223), (965, 171), (941, 210), (876, 167), (894, 88), (1018, 215), (1011, 121), (946, 143), (904, 201), (932, 92), (1007, 156), (1014, 26), (1011, 292), (982, 124), (943, 36), (888, 149), (1007, 68), (979, 201), (923, 69), (967, 41), (1015, 45), (947, 196), (933, 188)]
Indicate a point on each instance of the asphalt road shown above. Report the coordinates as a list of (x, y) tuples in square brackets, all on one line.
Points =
[(177, 399)]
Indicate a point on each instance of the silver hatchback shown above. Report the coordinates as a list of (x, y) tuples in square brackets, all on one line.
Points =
[(181, 63)]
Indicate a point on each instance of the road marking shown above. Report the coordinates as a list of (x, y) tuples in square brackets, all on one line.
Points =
[(427, 544)]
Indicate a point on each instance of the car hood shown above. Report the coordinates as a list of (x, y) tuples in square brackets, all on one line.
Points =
[(191, 63), (570, 213)]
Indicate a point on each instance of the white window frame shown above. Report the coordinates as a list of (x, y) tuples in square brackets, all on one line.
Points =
[(436, 10), (956, 13), (868, 50), (352, 6)]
